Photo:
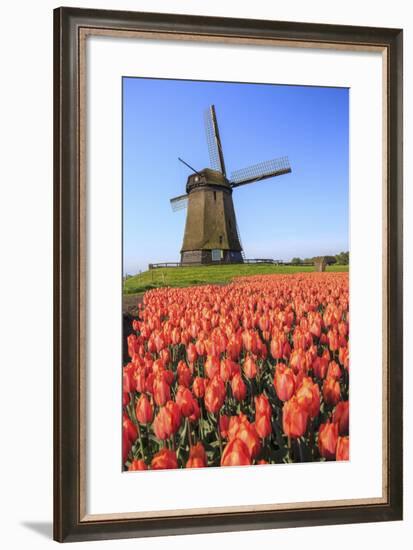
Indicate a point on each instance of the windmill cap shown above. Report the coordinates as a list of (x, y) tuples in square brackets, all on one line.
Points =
[(207, 177)]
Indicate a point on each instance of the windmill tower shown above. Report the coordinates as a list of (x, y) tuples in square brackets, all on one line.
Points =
[(211, 232)]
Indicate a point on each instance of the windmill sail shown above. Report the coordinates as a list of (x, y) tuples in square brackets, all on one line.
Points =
[(179, 203), (216, 155), (260, 171)]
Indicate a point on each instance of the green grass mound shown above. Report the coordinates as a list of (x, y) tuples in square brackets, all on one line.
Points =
[(210, 274)]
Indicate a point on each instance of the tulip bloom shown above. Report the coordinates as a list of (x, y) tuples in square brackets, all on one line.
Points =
[(212, 366), (331, 391), (144, 410), (191, 353), (308, 396), (214, 395), (327, 440), (334, 371), (197, 457), (165, 459), (239, 427), (342, 451), (137, 465), (238, 387), (163, 425), (263, 425), (262, 405), (284, 382), (198, 387), (185, 400), (161, 390), (130, 429), (295, 418), (250, 368), (341, 416), (235, 454)]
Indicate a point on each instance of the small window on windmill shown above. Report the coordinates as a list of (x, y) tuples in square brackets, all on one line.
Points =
[(216, 255)]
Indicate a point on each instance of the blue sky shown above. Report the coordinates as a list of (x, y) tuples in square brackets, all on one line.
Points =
[(303, 214)]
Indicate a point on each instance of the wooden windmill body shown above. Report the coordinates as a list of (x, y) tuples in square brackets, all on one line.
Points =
[(211, 231)]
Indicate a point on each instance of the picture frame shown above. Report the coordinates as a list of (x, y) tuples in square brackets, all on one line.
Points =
[(72, 26)]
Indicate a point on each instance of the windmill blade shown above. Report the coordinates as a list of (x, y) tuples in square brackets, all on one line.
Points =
[(179, 203), (260, 171), (216, 155)]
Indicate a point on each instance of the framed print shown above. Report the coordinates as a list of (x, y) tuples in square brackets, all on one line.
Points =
[(228, 274)]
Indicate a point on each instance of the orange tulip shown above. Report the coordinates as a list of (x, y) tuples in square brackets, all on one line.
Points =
[(331, 391), (212, 366), (214, 395), (284, 382), (327, 440), (341, 416), (164, 459), (308, 396), (238, 387), (163, 425), (295, 418), (144, 410), (137, 465), (250, 368), (161, 390), (198, 387), (130, 429), (235, 454), (197, 457), (342, 452), (185, 400), (191, 353), (334, 371)]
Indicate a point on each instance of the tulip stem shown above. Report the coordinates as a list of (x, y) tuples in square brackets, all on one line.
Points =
[(219, 437), (140, 440), (189, 432)]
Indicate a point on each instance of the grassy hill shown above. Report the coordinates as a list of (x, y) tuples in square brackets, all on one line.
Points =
[(211, 274)]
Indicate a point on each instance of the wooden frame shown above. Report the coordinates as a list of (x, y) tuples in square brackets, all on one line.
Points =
[(70, 27)]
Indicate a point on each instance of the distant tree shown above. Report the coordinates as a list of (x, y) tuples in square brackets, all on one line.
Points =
[(296, 261), (343, 258)]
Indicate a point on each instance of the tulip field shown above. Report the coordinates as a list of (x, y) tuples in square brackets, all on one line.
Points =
[(252, 372)]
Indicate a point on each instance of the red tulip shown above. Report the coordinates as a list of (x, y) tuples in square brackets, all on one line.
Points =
[(250, 368), (130, 429), (214, 395), (334, 371), (164, 459), (161, 390), (327, 440), (137, 465), (295, 418), (197, 457), (341, 416), (263, 425), (235, 454), (163, 425), (185, 400), (175, 411), (284, 382), (308, 397), (144, 410), (191, 353), (198, 387), (212, 366), (238, 387), (342, 451), (262, 405), (331, 391)]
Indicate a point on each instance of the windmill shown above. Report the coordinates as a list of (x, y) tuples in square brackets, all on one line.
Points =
[(211, 231)]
